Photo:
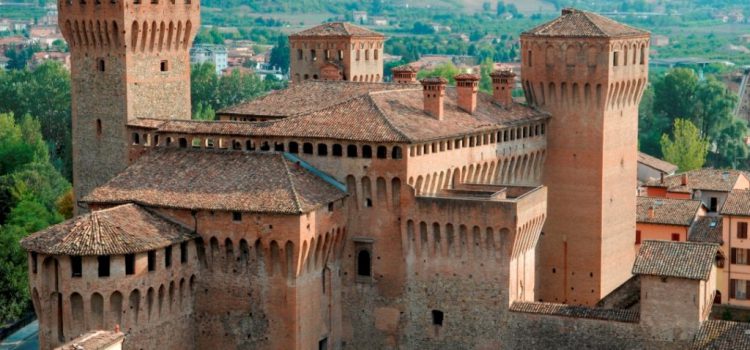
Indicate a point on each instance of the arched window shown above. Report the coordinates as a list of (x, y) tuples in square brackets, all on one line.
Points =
[(183, 142), (264, 146), (322, 149), (363, 263), (396, 153), (278, 147), (307, 148), (136, 138), (337, 150), (382, 152), (351, 151), (366, 151), (293, 147)]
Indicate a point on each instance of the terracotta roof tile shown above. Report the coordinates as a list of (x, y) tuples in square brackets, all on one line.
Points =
[(722, 335), (467, 76), (262, 182), (667, 211), (737, 203), (404, 68), (656, 163), (577, 23), (701, 179), (707, 229), (687, 260), (392, 114), (576, 311), (337, 29), (120, 230)]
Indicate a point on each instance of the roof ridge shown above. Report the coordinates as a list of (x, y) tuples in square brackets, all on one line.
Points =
[(295, 194)]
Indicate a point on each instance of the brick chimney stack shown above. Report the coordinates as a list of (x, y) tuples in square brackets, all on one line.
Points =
[(405, 74), (434, 94), (502, 87), (467, 86), (684, 179), (651, 213)]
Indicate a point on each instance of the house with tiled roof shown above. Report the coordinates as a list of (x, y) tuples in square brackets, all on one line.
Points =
[(711, 186), (652, 168), (735, 217), (666, 219)]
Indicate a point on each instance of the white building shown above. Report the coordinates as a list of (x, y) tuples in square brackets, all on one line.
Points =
[(216, 54)]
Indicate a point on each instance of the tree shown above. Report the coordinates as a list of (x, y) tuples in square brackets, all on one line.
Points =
[(485, 83), (280, 53), (674, 94), (687, 149), (446, 70), (203, 85)]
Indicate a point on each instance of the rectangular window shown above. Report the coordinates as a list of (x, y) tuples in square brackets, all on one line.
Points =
[(530, 59), (328, 54), (637, 237), (341, 55), (300, 55), (164, 66), (437, 317), (33, 262), (76, 266), (129, 264), (236, 216), (151, 261), (357, 55), (323, 344), (676, 237), (738, 289), (103, 265), (616, 59), (183, 252), (742, 230), (168, 256), (740, 256), (714, 205), (313, 55)]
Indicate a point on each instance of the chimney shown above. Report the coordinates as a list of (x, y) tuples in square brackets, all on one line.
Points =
[(502, 87), (661, 180), (567, 11), (651, 212), (684, 179), (405, 74), (434, 94), (467, 86)]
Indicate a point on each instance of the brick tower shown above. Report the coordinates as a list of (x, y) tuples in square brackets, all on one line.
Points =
[(589, 73), (336, 51), (129, 59)]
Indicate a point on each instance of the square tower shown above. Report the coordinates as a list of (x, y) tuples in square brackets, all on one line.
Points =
[(129, 59), (336, 51), (589, 73)]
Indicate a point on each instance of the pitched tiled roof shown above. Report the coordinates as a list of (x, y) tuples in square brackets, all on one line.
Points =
[(656, 163), (337, 29), (737, 203), (577, 23), (707, 229), (394, 113), (667, 211), (722, 335), (687, 260), (120, 230), (263, 182), (576, 311), (700, 179), (404, 68)]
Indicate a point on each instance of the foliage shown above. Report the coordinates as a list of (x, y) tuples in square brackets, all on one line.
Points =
[(280, 53), (446, 70), (65, 204), (687, 149), (19, 58)]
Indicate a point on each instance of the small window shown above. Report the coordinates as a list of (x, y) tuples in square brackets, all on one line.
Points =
[(129, 264), (367, 55), (742, 230), (236, 216), (437, 317), (183, 252), (103, 265), (328, 54), (307, 148), (136, 2), (313, 55), (341, 55), (76, 266), (98, 127), (154, 1), (363, 263), (183, 142), (168, 256), (615, 58), (366, 151), (151, 261), (530, 59), (396, 153), (323, 344), (300, 55), (351, 151), (375, 54), (676, 237), (382, 152), (164, 66), (638, 237), (714, 205), (357, 55), (34, 259), (330, 207), (136, 138), (337, 150), (100, 64), (322, 149)]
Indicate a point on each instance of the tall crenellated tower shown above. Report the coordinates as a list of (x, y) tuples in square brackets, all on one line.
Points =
[(589, 73), (129, 59)]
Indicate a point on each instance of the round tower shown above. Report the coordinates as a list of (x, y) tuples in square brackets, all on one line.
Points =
[(129, 59), (589, 73)]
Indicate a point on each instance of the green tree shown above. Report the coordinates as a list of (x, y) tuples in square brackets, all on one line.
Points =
[(280, 53), (446, 70), (687, 149), (203, 85), (674, 95), (485, 83)]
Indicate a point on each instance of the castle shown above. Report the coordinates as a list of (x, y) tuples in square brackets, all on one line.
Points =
[(347, 213)]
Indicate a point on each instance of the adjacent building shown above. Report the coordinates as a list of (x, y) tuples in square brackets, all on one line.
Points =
[(666, 219), (215, 54), (711, 186), (651, 168)]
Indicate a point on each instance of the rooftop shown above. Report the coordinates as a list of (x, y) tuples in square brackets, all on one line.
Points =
[(722, 335), (120, 230), (700, 179), (359, 112), (336, 29), (687, 260), (94, 340), (577, 23), (667, 211), (656, 163), (576, 311), (707, 229), (737, 203), (261, 182)]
